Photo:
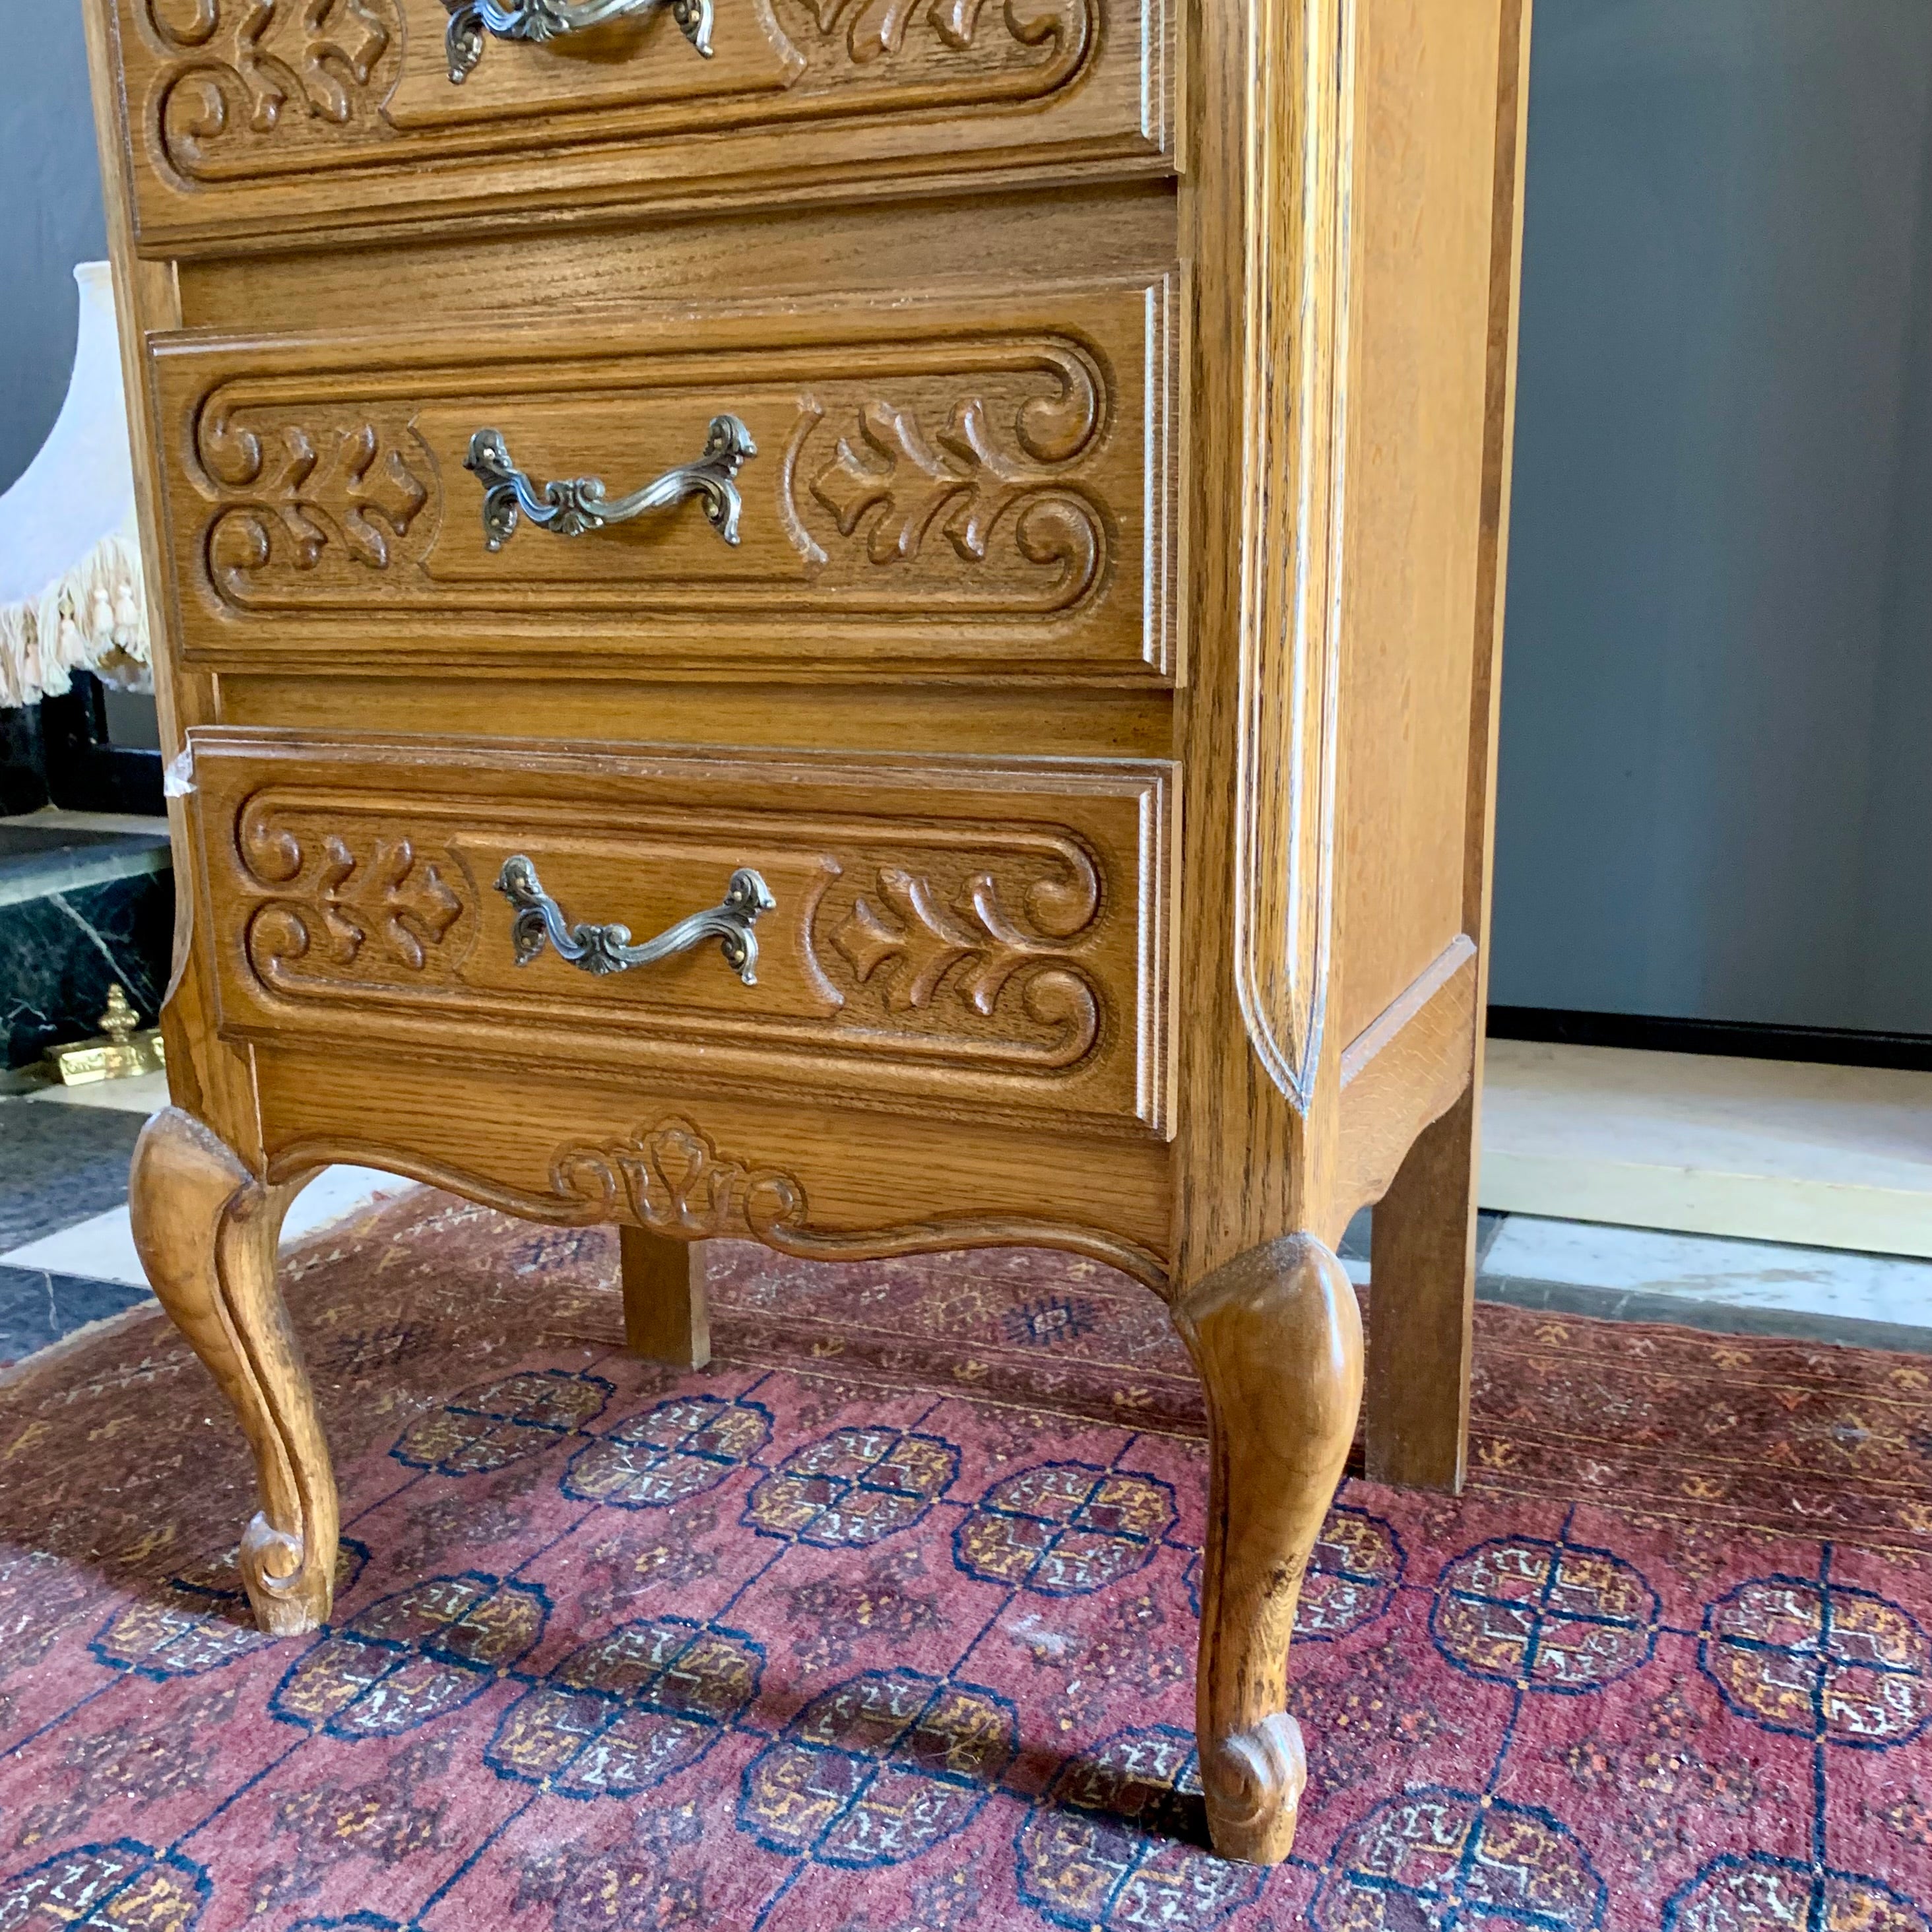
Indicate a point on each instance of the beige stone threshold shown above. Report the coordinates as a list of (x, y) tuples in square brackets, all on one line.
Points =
[(1766, 1150)]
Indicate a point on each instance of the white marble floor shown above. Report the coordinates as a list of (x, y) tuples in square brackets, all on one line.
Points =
[(33, 874), (144, 1094), (101, 1248), (1710, 1271)]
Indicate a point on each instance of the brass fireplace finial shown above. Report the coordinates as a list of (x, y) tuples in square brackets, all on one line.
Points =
[(120, 1019), (120, 1051)]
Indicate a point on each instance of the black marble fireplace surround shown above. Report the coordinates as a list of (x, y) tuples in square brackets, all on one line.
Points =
[(82, 906)]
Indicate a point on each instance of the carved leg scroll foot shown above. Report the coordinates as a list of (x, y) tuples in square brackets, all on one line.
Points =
[(1277, 1337), (666, 1317), (205, 1229)]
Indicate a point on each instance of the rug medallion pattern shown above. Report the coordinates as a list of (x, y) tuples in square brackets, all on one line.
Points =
[(884, 1623)]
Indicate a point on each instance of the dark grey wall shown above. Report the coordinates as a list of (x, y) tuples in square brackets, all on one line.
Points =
[(1716, 785), (1892, 940), (49, 217)]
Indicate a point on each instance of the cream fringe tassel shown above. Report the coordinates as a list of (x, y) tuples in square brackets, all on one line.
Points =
[(95, 618)]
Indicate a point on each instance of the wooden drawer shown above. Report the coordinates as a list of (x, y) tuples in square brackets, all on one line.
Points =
[(249, 119), (972, 481), (951, 935)]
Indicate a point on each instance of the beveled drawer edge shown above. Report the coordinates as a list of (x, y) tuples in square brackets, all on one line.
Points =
[(467, 217), (481, 752)]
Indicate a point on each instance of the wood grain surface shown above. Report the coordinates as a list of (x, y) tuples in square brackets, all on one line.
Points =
[(666, 1316), (977, 937)]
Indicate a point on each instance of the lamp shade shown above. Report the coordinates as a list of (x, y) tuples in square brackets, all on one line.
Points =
[(70, 586)]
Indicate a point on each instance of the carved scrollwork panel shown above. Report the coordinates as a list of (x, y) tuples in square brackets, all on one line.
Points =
[(329, 498), (672, 1178), (232, 91), (979, 493), (997, 50), (938, 946), (930, 947), (975, 946), (975, 490), (366, 908), (248, 86)]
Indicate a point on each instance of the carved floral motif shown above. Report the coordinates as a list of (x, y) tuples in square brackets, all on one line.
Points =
[(912, 483), (329, 497), (1002, 479), (247, 88), (384, 894), (874, 28), (253, 70), (913, 943), (976, 947), (405, 905), (673, 1180)]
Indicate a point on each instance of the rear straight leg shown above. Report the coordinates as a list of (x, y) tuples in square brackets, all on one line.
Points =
[(1424, 1265), (666, 1318), (1422, 1284)]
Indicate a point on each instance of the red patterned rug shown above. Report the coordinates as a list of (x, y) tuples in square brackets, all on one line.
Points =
[(885, 1623)]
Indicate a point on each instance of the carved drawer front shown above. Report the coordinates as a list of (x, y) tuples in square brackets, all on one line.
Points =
[(970, 482), (252, 118), (953, 934)]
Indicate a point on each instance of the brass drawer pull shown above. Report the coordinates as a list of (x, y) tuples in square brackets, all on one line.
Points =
[(607, 949), (568, 509), (541, 20)]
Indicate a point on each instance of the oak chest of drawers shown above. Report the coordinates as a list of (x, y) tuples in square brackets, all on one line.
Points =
[(1002, 755)]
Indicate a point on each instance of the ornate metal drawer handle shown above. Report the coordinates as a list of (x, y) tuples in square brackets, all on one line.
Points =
[(541, 20), (568, 509), (607, 949)]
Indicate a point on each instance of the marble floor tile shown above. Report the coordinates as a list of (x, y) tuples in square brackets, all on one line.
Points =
[(37, 1306), (335, 1195), (59, 1165), (42, 853), (1710, 1269), (60, 955), (102, 1247), (142, 1093)]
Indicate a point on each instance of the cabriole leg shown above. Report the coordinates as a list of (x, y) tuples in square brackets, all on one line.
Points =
[(666, 1317), (205, 1229), (1277, 1337)]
